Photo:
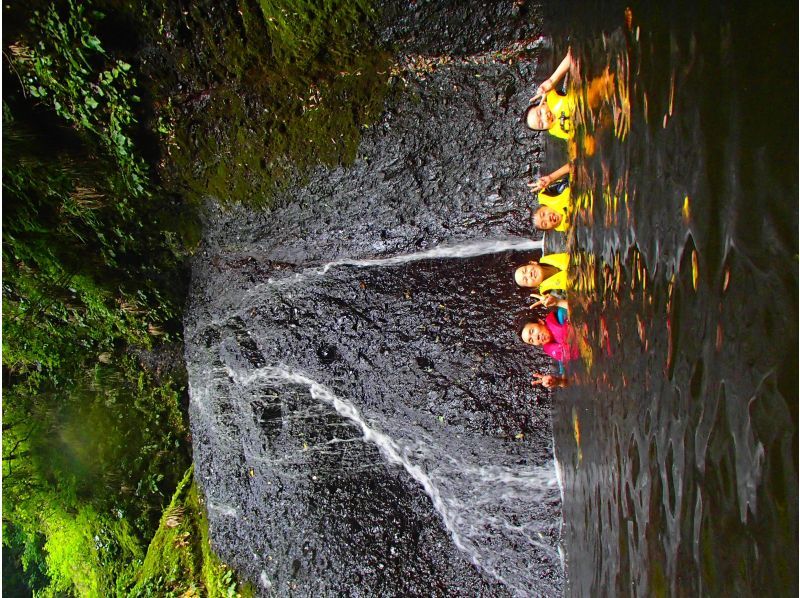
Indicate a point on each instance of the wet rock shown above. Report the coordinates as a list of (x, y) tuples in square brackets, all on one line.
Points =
[(378, 405)]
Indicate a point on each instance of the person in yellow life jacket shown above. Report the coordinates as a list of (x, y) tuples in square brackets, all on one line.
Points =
[(553, 211), (547, 275), (554, 113)]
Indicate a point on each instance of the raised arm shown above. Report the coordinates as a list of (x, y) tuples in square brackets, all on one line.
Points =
[(557, 75), (549, 179)]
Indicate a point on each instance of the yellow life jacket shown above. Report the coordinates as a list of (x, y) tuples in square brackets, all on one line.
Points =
[(558, 203), (559, 279), (562, 108)]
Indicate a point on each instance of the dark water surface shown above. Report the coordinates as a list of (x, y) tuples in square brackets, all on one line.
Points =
[(366, 427), (679, 448)]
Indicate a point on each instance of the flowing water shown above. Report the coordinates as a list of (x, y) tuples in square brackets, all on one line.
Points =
[(363, 420)]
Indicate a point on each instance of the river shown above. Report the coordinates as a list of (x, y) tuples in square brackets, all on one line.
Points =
[(684, 479)]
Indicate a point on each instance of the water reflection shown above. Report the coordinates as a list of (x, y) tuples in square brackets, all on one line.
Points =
[(677, 442)]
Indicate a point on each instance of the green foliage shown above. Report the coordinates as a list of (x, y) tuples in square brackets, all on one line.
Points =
[(179, 560), (78, 552), (81, 277), (95, 250), (66, 66), (24, 566), (89, 470), (88, 553)]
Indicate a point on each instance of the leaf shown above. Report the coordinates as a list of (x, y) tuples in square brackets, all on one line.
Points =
[(90, 41)]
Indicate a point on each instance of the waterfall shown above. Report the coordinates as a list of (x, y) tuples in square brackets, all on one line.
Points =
[(461, 251), (481, 505)]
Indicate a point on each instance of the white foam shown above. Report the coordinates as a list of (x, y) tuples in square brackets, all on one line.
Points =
[(466, 511), (465, 250)]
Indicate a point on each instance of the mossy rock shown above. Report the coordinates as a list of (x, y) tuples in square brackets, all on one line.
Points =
[(179, 560)]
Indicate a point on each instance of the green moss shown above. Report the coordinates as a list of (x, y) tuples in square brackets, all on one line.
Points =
[(274, 88), (86, 469), (87, 552), (658, 581), (180, 561)]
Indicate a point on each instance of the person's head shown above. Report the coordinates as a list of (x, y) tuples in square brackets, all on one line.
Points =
[(530, 275), (539, 117), (546, 218), (534, 332)]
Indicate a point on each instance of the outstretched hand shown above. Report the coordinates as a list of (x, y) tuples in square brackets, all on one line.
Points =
[(542, 183), (545, 300), (546, 380), (541, 91)]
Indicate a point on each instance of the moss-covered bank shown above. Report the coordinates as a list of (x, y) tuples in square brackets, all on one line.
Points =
[(249, 95), (179, 560)]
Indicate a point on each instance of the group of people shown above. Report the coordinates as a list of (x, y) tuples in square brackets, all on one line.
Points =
[(553, 112)]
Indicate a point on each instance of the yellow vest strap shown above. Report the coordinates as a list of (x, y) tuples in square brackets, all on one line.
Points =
[(562, 108), (556, 281)]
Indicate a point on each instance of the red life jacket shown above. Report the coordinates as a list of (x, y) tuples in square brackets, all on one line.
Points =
[(560, 347)]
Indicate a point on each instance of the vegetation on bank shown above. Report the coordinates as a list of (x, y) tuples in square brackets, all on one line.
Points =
[(118, 119), (179, 560)]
